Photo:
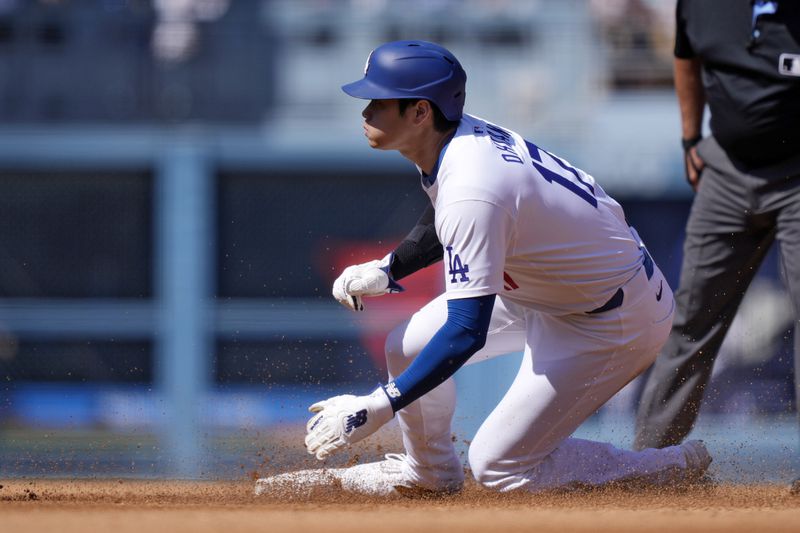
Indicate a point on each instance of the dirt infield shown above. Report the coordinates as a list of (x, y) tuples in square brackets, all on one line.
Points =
[(148, 506)]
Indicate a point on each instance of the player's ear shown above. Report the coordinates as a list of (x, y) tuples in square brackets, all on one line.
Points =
[(422, 110)]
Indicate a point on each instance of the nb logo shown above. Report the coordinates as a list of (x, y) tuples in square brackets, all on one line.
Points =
[(392, 390), (457, 267), (356, 420)]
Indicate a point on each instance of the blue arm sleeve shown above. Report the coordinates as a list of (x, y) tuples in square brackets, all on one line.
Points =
[(463, 334)]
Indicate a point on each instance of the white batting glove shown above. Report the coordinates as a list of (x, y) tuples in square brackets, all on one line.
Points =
[(367, 279), (344, 420)]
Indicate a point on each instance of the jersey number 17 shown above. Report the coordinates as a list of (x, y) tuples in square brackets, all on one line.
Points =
[(573, 183)]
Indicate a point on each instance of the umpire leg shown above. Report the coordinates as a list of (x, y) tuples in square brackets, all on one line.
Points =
[(788, 235), (722, 252)]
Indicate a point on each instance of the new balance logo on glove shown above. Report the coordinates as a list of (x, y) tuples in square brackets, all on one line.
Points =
[(344, 420), (355, 420)]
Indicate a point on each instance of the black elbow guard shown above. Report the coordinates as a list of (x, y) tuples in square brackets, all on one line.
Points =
[(419, 250)]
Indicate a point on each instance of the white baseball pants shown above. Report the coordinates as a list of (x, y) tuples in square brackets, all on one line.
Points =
[(571, 366)]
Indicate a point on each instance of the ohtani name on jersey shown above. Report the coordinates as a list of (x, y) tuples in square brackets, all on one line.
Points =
[(502, 140)]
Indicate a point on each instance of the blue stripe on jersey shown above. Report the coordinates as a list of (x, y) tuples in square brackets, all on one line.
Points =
[(463, 334)]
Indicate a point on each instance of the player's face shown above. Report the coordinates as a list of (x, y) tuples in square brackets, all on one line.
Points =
[(384, 127)]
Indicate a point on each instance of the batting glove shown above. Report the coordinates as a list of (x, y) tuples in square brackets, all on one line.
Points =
[(368, 279), (344, 420)]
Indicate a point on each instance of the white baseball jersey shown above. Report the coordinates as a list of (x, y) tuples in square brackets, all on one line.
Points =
[(518, 221), (522, 223)]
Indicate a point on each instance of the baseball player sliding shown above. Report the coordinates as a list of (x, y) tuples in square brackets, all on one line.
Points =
[(537, 258)]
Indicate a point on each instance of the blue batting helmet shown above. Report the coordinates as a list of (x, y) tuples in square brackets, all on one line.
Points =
[(413, 69)]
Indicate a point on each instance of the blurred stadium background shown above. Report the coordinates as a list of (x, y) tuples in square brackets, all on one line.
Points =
[(181, 180)]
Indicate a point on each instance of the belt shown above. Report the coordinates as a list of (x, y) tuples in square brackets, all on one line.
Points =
[(616, 300)]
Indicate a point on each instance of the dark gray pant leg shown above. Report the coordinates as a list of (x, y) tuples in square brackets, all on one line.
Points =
[(788, 236), (721, 256)]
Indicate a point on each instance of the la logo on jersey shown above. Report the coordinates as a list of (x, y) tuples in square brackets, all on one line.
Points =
[(457, 267)]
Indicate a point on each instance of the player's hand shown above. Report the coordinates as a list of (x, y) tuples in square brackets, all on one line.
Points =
[(367, 279), (344, 420), (694, 167)]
